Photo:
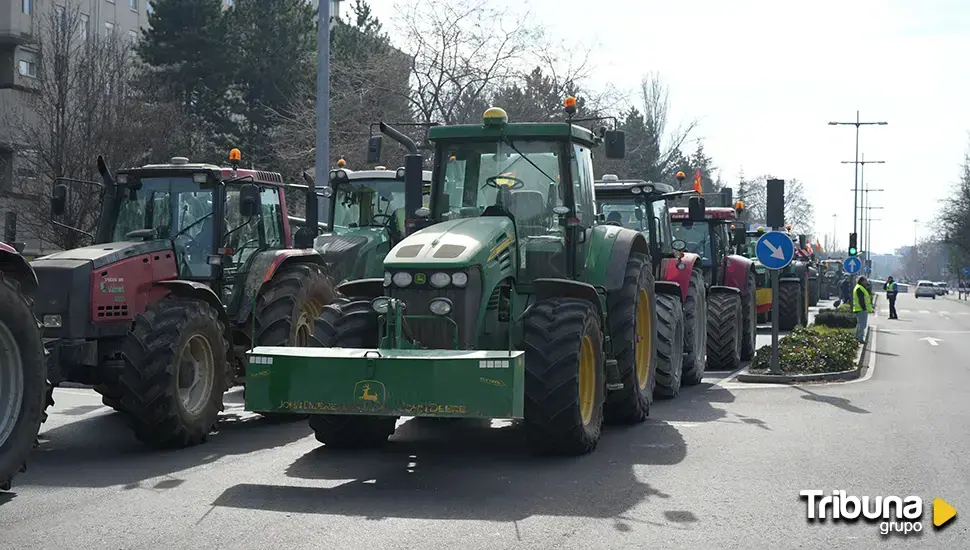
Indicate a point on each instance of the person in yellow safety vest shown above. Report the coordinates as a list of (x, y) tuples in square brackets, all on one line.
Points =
[(862, 306), (891, 292)]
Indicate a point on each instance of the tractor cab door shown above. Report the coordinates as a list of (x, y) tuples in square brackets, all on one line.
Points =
[(245, 237), (661, 239), (722, 247)]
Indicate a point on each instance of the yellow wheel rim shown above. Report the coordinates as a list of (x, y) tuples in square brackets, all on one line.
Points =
[(644, 341), (303, 328), (587, 380)]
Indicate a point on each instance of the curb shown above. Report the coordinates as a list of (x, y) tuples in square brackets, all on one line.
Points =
[(842, 376)]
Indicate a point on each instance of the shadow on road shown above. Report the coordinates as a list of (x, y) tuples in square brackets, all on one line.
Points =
[(877, 352), (471, 470), (839, 402), (100, 451)]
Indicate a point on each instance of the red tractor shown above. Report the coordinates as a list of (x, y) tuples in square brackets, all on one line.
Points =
[(679, 281), (730, 279), (193, 265), (22, 371)]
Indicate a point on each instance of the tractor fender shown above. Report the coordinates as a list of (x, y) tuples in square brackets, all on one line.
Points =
[(363, 288), (721, 289), (736, 269), (264, 265), (198, 291), (13, 265), (678, 270), (668, 287), (607, 252), (567, 288)]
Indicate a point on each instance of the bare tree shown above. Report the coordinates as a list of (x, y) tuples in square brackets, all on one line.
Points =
[(86, 102), (799, 212), (666, 141)]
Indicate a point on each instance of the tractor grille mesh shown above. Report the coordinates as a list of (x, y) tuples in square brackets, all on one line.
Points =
[(435, 333)]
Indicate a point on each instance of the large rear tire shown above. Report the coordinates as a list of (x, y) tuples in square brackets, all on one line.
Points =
[(110, 395), (23, 380), (565, 382), (633, 318), (695, 330), (349, 324), (749, 317), (813, 292), (724, 331), (670, 346), (174, 375), (789, 304)]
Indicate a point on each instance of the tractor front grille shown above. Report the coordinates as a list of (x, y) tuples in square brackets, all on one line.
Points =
[(439, 333)]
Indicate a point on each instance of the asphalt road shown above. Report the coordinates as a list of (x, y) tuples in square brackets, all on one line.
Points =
[(719, 467)]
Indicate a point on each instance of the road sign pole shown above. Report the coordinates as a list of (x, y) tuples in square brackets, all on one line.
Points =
[(775, 368)]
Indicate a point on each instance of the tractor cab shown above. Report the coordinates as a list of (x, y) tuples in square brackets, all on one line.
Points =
[(641, 206), (714, 239)]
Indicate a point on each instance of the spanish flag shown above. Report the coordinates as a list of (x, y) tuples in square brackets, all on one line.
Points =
[(697, 183)]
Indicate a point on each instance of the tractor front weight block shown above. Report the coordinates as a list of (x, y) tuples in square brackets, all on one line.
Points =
[(386, 382)]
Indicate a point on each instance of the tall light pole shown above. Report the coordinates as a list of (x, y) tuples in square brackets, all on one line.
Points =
[(915, 232), (865, 201), (835, 228), (857, 124), (322, 153), (868, 227), (861, 173)]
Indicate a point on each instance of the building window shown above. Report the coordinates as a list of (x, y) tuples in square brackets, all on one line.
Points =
[(109, 28), (85, 26), (133, 37), (133, 4), (27, 6), (27, 68)]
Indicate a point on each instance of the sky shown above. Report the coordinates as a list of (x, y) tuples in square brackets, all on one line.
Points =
[(765, 77)]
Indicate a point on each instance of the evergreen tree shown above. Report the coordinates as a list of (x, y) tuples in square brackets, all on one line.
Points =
[(700, 161)]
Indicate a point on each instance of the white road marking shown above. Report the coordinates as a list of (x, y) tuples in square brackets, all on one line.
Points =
[(932, 341), (928, 330)]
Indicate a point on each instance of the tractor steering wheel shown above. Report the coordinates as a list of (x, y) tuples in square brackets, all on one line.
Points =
[(388, 219), (614, 222), (493, 182)]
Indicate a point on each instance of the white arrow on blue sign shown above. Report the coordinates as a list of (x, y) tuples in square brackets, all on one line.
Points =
[(852, 264), (966, 271), (775, 250)]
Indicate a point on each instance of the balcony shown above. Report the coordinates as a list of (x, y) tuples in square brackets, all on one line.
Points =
[(15, 25)]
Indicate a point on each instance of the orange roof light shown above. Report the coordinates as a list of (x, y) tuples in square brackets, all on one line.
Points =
[(788, 227), (739, 205), (341, 162), (452, 158), (235, 155), (733, 227), (569, 103), (681, 175)]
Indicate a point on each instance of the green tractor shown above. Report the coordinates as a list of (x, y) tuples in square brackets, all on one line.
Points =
[(681, 292), (509, 301), (832, 272), (793, 285)]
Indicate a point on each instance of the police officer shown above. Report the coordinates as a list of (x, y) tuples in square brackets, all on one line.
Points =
[(891, 292), (862, 307)]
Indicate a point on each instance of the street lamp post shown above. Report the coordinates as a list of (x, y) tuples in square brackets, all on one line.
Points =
[(857, 124), (865, 201), (868, 228), (861, 164), (915, 232)]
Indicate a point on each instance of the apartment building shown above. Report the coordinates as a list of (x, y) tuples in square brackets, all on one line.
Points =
[(21, 24)]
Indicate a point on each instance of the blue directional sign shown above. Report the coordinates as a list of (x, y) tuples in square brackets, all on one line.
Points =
[(852, 264), (775, 250), (966, 271)]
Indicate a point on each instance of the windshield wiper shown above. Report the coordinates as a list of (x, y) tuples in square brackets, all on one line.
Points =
[(191, 225), (522, 156)]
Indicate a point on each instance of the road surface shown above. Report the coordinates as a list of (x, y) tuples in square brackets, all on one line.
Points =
[(719, 467)]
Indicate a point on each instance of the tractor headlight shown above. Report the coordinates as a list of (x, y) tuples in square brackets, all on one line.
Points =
[(402, 278), (381, 304), (636, 190), (52, 321), (440, 306), (459, 279), (440, 280), (387, 278)]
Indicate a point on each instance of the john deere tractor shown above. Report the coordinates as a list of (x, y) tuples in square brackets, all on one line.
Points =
[(22, 370), (192, 265), (508, 302), (731, 292), (679, 280), (831, 275)]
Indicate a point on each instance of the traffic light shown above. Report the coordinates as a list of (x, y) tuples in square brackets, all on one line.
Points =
[(853, 249)]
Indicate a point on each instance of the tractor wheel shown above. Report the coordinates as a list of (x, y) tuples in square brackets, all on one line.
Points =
[(813, 292), (110, 395), (749, 318), (789, 304), (695, 331), (565, 382), (349, 324), (724, 331), (23, 381), (803, 321), (173, 380), (633, 316), (670, 346), (287, 309)]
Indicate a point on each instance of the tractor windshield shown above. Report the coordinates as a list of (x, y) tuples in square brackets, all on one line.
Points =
[(697, 235), (624, 212), (373, 202)]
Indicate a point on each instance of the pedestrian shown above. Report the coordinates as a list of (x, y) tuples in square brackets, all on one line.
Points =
[(845, 291), (862, 307), (891, 292)]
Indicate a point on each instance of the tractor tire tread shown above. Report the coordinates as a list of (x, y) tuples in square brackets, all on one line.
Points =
[(724, 331), (670, 345)]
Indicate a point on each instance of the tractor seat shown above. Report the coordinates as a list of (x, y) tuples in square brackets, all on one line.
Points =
[(529, 210)]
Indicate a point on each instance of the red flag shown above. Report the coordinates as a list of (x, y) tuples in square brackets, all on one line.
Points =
[(697, 183)]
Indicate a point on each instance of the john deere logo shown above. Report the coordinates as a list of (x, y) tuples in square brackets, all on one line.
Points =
[(370, 391), (420, 278)]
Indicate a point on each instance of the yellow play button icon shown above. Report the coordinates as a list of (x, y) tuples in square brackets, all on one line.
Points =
[(942, 512)]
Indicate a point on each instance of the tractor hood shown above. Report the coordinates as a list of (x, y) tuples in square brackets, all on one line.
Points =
[(454, 243), (346, 250), (101, 255)]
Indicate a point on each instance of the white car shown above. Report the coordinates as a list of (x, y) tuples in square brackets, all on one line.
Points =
[(926, 289)]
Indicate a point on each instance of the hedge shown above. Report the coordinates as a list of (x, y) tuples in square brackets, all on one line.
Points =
[(840, 317), (810, 351)]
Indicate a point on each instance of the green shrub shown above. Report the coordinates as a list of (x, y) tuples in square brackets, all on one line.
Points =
[(810, 351), (841, 317)]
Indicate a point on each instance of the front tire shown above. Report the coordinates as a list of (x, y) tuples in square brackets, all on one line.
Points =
[(23, 382), (695, 330), (349, 324), (724, 330), (174, 374), (632, 317), (565, 382), (670, 345), (789, 304)]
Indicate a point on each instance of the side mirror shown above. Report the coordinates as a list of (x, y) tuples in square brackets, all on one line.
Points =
[(679, 245), (249, 205), (740, 235), (615, 144), (801, 241), (695, 209), (374, 145), (59, 200), (19, 247)]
